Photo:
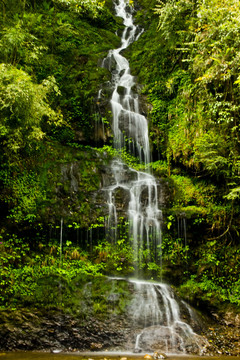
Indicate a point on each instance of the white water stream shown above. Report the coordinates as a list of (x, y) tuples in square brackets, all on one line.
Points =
[(154, 308), (130, 129)]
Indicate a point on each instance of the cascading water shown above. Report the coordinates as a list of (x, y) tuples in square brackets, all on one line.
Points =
[(128, 123), (130, 129), (157, 316), (154, 309), (182, 228)]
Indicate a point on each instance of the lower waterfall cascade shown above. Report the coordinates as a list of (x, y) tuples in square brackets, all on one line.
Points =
[(154, 309)]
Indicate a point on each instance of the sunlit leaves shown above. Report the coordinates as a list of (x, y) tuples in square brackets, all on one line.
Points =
[(217, 39), (172, 19), (90, 7), (233, 194), (26, 192), (24, 104), (17, 44), (203, 113)]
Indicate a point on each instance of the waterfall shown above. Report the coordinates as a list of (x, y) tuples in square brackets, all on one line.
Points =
[(156, 313), (158, 321), (61, 241), (129, 126), (182, 228), (154, 310), (130, 130)]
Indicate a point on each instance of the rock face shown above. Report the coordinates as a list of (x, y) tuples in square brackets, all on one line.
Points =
[(163, 338), (95, 326), (75, 182), (116, 328), (27, 330), (121, 188)]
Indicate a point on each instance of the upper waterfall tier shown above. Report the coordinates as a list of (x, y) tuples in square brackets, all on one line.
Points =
[(129, 126)]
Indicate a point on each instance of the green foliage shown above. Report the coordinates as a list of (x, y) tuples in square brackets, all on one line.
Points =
[(208, 290), (44, 49), (91, 8), (160, 167), (118, 257), (24, 105), (175, 252), (187, 63), (187, 59), (172, 20), (127, 158), (18, 45), (39, 279), (26, 195), (208, 44), (27, 275), (13, 251), (186, 191)]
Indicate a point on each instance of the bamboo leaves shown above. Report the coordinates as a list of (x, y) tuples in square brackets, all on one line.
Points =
[(18, 45), (91, 8), (24, 104)]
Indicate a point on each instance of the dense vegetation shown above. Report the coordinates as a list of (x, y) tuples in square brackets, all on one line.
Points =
[(50, 75), (50, 54), (190, 72)]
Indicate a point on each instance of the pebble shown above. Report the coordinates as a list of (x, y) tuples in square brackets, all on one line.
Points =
[(159, 355)]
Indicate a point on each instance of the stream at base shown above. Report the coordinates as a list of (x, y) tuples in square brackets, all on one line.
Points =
[(100, 356)]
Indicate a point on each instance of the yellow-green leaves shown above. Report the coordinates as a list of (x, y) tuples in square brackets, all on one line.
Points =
[(23, 105), (18, 44), (91, 7), (173, 19)]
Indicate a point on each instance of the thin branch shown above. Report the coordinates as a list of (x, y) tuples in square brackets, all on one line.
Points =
[(220, 236)]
